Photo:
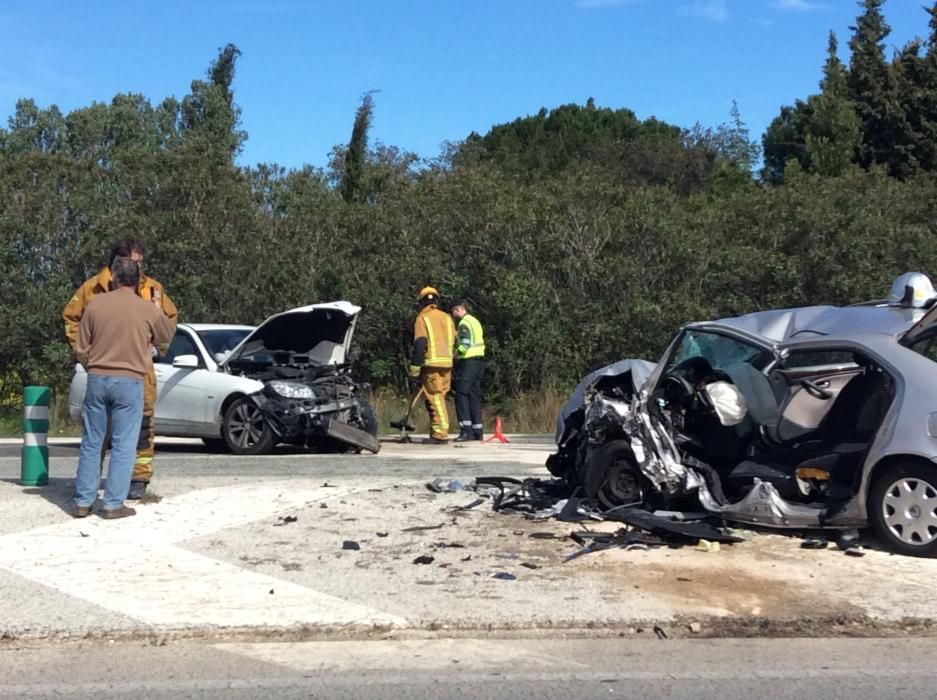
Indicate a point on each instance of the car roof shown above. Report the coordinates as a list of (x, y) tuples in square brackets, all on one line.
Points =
[(216, 327), (813, 322)]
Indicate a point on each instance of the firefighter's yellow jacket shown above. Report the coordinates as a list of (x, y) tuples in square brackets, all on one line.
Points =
[(148, 289), (433, 340)]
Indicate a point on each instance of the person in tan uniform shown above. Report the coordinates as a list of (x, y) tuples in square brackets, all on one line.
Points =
[(149, 290), (431, 361), (114, 339)]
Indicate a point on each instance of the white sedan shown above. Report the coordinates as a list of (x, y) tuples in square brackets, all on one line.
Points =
[(248, 388)]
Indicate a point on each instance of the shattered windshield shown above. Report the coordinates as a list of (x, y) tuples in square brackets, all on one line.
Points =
[(719, 350)]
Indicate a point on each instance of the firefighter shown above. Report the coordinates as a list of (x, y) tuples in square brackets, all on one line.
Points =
[(150, 290), (470, 369), (431, 361)]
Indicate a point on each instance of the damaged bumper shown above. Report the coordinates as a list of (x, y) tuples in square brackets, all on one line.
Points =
[(293, 418)]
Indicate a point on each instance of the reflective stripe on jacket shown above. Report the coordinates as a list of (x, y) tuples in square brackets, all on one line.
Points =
[(433, 339), (471, 338)]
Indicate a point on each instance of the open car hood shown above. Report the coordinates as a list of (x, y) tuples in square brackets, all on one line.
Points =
[(322, 332)]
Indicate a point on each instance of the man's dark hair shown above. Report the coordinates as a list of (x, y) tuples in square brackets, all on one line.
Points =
[(125, 272), (125, 248)]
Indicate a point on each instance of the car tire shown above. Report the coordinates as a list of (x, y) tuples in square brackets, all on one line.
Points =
[(903, 509), (367, 421), (244, 429), (215, 444), (610, 475)]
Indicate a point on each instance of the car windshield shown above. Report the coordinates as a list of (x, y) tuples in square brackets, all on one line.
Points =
[(222, 340), (719, 350)]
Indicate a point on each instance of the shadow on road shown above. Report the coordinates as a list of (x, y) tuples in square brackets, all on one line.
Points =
[(60, 491)]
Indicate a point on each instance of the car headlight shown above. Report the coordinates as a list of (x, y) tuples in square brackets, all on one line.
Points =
[(292, 390)]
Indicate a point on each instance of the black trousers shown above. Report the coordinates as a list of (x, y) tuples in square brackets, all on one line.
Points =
[(468, 394)]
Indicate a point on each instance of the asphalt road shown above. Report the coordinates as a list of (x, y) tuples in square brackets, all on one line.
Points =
[(478, 668)]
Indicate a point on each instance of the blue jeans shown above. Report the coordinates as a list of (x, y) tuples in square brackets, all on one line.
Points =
[(121, 400)]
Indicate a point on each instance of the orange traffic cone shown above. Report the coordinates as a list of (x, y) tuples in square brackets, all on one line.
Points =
[(499, 433)]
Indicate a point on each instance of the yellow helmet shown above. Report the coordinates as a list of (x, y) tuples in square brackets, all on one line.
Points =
[(427, 291)]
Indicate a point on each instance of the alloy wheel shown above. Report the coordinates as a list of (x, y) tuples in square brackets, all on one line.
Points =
[(246, 425)]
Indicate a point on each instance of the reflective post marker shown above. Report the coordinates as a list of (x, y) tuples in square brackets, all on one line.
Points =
[(35, 460)]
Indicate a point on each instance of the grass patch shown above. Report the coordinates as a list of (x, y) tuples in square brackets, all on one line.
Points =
[(150, 497), (60, 425), (531, 412)]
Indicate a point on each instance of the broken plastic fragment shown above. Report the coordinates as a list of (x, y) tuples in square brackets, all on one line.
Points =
[(424, 559), (504, 576), (351, 544), (707, 546)]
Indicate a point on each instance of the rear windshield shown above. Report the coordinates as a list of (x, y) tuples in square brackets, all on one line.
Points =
[(926, 347)]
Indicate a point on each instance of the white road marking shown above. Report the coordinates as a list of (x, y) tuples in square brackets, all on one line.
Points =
[(422, 654), (131, 566)]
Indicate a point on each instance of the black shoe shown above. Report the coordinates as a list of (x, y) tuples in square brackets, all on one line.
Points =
[(478, 435), (435, 441), (137, 490), (464, 436)]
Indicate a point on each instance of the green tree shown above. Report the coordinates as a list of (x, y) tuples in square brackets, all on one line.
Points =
[(833, 133), (873, 89)]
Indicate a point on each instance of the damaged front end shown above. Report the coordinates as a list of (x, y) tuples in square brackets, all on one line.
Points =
[(319, 412)]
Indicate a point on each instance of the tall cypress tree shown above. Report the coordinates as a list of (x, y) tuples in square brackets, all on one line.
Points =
[(833, 131), (872, 86)]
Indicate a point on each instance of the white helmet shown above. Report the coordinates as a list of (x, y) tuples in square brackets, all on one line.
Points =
[(912, 289)]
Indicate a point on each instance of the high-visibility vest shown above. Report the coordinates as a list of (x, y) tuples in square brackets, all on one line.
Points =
[(471, 338), (439, 330)]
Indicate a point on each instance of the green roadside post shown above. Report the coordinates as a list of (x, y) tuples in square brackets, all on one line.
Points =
[(35, 459)]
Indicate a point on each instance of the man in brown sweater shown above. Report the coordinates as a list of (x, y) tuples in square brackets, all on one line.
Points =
[(115, 335)]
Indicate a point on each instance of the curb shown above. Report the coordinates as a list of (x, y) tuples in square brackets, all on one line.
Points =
[(816, 627)]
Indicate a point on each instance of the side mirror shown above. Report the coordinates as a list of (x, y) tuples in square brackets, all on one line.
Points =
[(185, 361)]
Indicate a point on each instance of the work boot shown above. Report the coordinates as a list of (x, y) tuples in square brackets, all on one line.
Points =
[(81, 511), (113, 514), (464, 436), (478, 434), (137, 490), (435, 441)]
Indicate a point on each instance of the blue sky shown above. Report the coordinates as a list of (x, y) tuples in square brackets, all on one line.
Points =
[(443, 68)]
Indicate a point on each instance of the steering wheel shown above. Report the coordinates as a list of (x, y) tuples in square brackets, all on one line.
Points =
[(816, 390), (678, 389)]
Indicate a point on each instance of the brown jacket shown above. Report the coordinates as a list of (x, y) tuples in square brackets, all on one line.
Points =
[(116, 332), (148, 290)]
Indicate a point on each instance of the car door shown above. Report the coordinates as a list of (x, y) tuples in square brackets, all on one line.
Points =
[(181, 404), (806, 384)]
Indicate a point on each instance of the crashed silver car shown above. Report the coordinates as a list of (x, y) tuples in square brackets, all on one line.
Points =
[(817, 417)]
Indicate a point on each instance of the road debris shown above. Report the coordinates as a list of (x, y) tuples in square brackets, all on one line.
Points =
[(504, 576), (351, 544), (424, 528), (424, 559), (285, 520), (443, 486)]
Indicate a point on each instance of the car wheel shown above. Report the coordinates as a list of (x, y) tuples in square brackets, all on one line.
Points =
[(367, 421), (903, 509), (610, 475), (244, 429), (215, 444)]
